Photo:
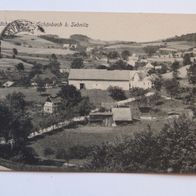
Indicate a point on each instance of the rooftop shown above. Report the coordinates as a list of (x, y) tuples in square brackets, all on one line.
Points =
[(122, 114), (99, 74)]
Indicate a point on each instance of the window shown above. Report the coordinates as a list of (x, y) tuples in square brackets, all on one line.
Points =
[(82, 85)]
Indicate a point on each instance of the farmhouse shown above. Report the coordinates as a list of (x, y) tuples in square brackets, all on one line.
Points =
[(51, 105), (102, 79)]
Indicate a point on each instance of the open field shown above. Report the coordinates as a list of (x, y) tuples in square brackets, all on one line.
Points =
[(181, 45), (31, 94), (10, 63), (90, 135)]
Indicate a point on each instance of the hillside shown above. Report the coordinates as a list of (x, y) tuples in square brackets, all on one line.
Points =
[(187, 37)]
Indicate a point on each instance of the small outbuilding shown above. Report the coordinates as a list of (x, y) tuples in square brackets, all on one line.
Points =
[(122, 115)]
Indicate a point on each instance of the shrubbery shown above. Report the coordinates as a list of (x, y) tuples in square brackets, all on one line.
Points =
[(116, 93), (173, 149)]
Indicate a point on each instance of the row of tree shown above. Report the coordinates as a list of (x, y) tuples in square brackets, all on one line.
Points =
[(173, 149)]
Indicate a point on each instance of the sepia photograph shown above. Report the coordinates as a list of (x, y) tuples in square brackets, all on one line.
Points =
[(97, 92)]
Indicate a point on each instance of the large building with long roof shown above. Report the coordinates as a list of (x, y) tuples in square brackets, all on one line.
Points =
[(103, 79)]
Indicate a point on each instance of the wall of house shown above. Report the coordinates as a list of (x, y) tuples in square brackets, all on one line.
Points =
[(145, 84), (48, 107), (103, 85)]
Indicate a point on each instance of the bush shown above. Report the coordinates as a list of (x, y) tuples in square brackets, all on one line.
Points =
[(117, 93), (135, 92), (170, 150), (61, 154), (48, 151)]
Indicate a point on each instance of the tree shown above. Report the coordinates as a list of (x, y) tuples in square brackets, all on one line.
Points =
[(186, 59), (172, 149), (16, 102), (113, 55), (6, 118), (54, 65), (14, 124), (120, 65), (41, 86), (175, 66), (157, 83), (172, 87), (125, 54), (150, 50), (15, 52), (84, 106), (77, 63), (70, 95), (135, 92), (116, 93), (20, 67), (191, 73)]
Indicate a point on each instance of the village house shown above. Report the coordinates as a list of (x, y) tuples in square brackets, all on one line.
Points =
[(47, 77), (149, 66), (139, 79), (51, 105), (103, 79), (71, 46)]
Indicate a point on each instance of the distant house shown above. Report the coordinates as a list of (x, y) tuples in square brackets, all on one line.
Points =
[(122, 115), (8, 84), (149, 66), (89, 49), (139, 79), (66, 45), (48, 77), (64, 70), (51, 105), (71, 46), (103, 79)]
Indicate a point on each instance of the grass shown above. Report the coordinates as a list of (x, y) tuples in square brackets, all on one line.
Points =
[(90, 135), (31, 94), (11, 63), (97, 96)]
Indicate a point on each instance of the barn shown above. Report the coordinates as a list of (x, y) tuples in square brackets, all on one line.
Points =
[(102, 79), (99, 78)]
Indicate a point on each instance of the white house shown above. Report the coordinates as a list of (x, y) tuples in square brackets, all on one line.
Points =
[(51, 105), (103, 79), (139, 79), (149, 66)]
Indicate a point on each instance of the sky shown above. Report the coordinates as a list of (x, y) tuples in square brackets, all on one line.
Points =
[(138, 27)]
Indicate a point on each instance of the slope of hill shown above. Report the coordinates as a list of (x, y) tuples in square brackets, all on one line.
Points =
[(182, 73), (187, 37)]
